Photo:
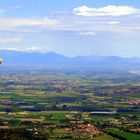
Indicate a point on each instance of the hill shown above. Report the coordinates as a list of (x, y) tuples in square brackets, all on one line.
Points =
[(17, 58)]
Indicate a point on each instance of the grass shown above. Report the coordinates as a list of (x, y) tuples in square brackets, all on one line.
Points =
[(105, 137), (124, 134)]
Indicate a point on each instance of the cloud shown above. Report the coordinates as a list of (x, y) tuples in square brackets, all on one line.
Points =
[(91, 21), (10, 49), (33, 49), (6, 10), (30, 49), (11, 40), (110, 10), (21, 24), (90, 33), (113, 22)]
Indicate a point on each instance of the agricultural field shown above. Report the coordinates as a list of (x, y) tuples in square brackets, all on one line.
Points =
[(69, 104)]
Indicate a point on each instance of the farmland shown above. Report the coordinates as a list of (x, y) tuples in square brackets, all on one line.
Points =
[(69, 104)]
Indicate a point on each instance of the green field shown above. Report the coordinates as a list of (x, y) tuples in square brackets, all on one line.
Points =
[(124, 134), (47, 104)]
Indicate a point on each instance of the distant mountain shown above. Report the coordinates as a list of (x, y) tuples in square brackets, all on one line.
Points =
[(28, 59), (17, 58)]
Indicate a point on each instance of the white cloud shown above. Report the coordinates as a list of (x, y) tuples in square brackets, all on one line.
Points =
[(11, 49), (113, 22), (33, 49), (90, 33), (30, 49), (8, 9), (110, 10), (21, 24), (11, 40), (104, 19)]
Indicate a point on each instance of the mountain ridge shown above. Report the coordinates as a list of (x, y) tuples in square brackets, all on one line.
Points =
[(19, 58)]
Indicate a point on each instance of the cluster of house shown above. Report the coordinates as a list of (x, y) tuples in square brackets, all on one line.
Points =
[(88, 130), (135, 102)]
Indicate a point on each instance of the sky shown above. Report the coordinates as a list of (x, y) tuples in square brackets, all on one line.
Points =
[(71, 27)]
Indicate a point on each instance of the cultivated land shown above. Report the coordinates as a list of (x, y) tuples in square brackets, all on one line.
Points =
[(69, 104)]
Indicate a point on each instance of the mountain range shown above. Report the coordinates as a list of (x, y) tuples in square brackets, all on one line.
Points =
[(18, 58)]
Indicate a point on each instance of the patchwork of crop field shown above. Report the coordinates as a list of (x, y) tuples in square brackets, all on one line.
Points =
[(65, 104)]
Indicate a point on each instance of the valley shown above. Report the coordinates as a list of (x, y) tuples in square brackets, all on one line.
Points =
[(65, 104)]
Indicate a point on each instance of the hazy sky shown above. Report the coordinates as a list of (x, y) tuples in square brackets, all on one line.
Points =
[(71, 27)]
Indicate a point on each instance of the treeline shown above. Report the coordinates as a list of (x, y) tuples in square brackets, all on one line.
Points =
[(20, 134)]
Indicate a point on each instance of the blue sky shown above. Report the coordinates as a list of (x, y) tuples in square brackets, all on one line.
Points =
[(71, 27)]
